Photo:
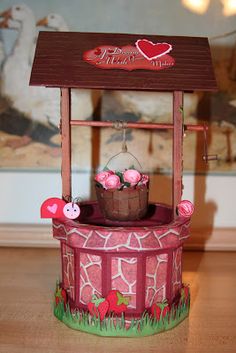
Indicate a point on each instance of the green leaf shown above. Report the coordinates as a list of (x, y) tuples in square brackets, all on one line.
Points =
[(132, 167), (97, 301), (99, 185), (105, 169), (58, 293), (120, 175), (122, 299), (127, 184)]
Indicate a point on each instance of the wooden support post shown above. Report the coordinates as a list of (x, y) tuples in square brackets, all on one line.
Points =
[(177, 163), (66, 141)]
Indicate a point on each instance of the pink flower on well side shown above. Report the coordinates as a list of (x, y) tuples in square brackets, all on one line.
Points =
[(185, 208), (112, 182), (132, 176), (144, 180), (102, 176)]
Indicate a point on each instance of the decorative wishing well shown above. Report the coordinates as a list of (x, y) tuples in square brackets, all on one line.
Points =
[(122, 278)]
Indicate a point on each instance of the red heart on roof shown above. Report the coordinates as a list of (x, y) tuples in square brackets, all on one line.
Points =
[(152, 51)]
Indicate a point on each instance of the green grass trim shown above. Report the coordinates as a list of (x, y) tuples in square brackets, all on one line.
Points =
[(115, 326)]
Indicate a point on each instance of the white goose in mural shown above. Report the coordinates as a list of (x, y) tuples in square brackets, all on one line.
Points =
[(154, 106), (38, 103), (82, 101), (6, 23), (55, 22), (16, 68)]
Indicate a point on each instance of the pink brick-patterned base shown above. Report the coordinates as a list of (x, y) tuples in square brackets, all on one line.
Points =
[(68, 270), (124, 277), (90, 277), (177, 271), (143, 262), (156, 279)]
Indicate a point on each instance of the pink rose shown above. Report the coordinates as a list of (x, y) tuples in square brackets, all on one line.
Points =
[(132, 176), (102, 176), (185, 208), (112, 182), (144, 180)]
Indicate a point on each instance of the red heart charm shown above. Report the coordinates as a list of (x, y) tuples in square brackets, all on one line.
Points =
[(152, 51)]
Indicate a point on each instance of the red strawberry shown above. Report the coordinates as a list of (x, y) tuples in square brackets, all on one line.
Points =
[(117, 302), (64, 296), (98, 307), (57, 300), (184, 292), (61, 296), (159, 310)]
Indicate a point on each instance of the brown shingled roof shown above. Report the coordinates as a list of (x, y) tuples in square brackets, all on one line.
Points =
[(59, 63)]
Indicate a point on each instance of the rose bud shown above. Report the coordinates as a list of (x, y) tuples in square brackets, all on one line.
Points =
[(102, 176), (144, 180), (112, 182), (132, 176), (185, 208)]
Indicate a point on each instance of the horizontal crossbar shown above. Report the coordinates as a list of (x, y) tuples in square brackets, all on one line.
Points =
[(112, 124)]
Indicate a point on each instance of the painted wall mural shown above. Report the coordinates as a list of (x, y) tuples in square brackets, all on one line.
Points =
[(29, 116)]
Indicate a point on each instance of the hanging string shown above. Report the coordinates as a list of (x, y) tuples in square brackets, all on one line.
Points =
[(124, 146), (122, 125), (119, 124)]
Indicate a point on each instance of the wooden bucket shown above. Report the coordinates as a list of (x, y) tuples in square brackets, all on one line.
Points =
[(128, 204)]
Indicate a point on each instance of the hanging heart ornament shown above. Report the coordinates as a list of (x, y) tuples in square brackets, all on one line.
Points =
[(152, 50)]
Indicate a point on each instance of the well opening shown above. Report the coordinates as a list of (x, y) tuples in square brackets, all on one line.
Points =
[(157, 215)]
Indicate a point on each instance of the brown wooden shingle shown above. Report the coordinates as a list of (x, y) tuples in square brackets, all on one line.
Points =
[(59, 63)]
